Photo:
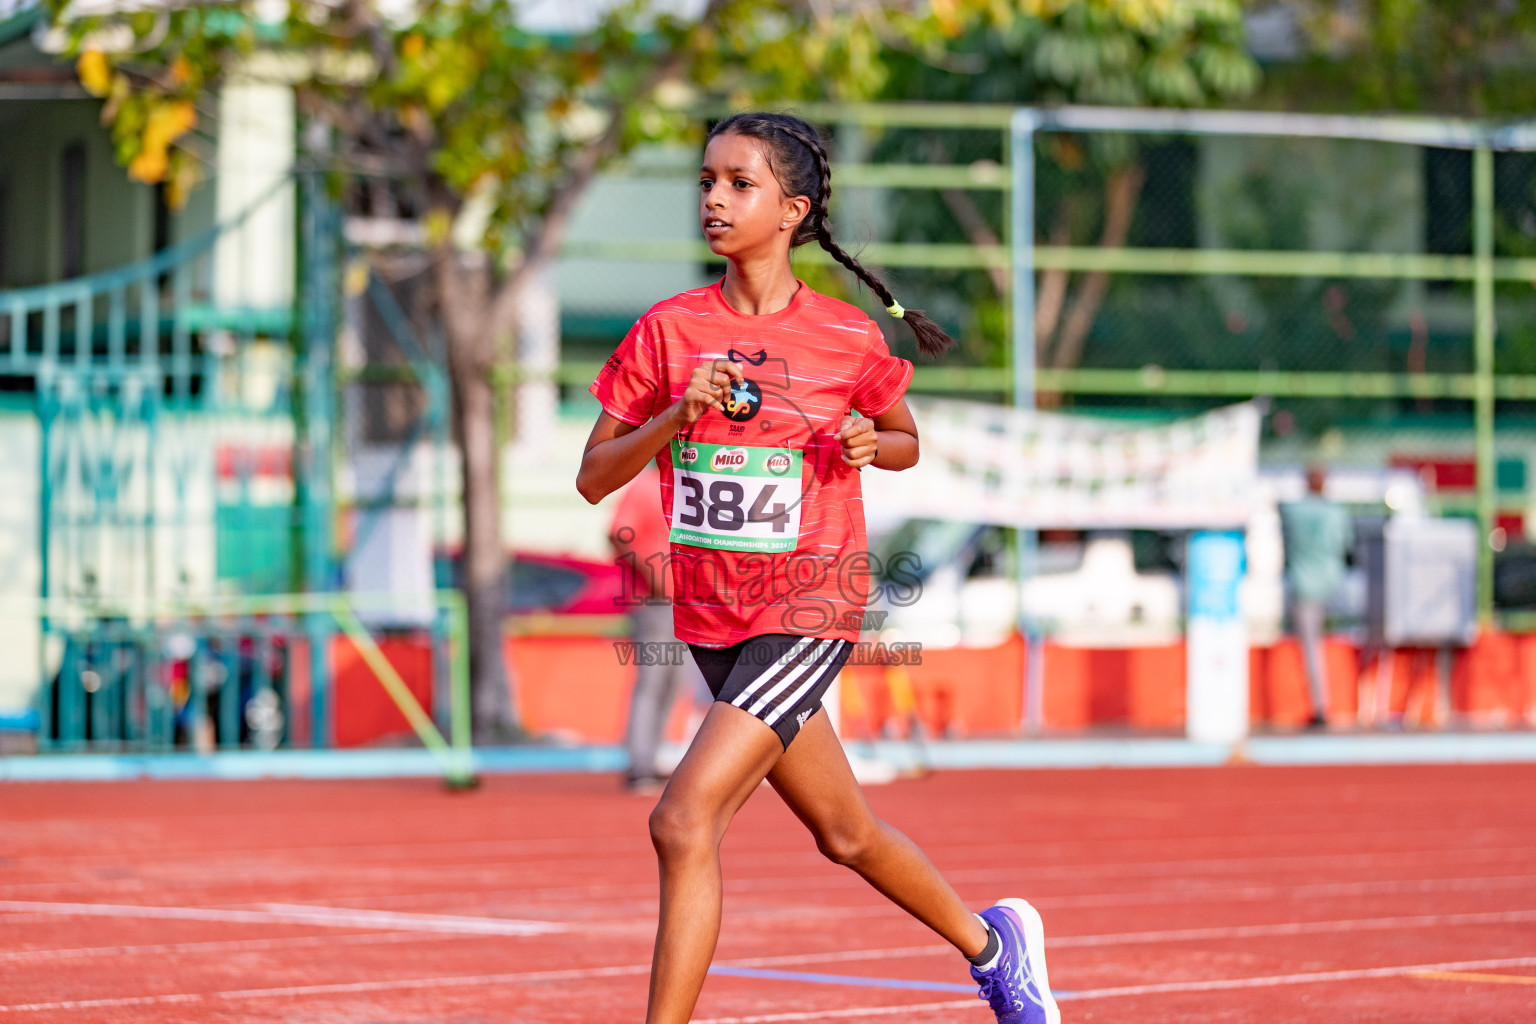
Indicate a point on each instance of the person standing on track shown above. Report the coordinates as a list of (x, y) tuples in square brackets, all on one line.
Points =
[(760, 401), (1318, 535)]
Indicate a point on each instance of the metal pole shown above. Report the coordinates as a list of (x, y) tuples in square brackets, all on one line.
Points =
[(45, 412), (312, 467), (1483, 344), (1021, 229)]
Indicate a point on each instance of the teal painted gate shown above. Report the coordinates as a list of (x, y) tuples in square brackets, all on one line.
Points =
[(184, 443)]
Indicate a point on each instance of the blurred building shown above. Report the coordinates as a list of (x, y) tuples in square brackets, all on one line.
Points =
[(146, 429)]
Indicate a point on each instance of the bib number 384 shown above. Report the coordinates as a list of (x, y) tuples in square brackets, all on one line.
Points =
[(735, 497)]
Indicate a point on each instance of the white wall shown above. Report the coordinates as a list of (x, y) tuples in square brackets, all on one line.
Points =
[(20, 566), (254, 266)]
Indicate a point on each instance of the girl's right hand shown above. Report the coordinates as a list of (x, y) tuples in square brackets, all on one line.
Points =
[(706, 388)]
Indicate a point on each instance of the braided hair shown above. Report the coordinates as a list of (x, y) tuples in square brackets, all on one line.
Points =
[(799, 162)]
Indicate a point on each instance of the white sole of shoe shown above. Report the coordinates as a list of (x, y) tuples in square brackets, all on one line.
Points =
[(1034, 935)]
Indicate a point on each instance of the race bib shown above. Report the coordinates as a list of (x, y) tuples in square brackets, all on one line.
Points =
[(735, 497)]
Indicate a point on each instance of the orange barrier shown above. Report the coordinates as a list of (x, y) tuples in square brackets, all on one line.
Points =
[(575, 688), (364, 713)]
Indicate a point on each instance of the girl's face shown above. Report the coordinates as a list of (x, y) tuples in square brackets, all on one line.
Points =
[(742, 208)]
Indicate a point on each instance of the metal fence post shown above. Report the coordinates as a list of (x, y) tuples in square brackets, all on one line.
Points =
[(1021, 249), (1483, 344), (312, 468)]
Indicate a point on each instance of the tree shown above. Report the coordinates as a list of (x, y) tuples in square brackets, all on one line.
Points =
[(464, 112), (1459, 57), (1104, 52)]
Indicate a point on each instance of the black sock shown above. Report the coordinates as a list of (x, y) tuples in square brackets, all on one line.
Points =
[(986, 955)]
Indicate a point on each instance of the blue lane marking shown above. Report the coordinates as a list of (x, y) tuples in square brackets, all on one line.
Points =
[(856, 980), (841, 979)]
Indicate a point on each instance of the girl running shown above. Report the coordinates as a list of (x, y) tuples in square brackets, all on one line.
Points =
[(760, 401)]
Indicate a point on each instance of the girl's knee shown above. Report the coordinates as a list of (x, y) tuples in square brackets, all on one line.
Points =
[(848, 843), (678, 829)]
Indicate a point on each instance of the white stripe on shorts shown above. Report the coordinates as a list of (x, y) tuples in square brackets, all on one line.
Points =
[(788, 657), (789, 703), (807, 662)]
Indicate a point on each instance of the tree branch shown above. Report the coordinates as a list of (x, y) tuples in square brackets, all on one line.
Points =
[(1053, 284), (548, 237), (977, 230), (1121, 189)]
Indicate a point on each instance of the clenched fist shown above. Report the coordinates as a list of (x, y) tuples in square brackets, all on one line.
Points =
[(859, 441), (706, 388)]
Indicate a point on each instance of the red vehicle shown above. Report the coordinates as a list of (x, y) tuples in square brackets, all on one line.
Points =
[(548, 584)]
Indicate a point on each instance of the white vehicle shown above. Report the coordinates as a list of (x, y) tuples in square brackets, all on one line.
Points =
[(953, 585)]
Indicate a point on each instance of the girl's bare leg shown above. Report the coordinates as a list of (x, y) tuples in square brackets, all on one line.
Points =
[(728, 758), (816, 782)]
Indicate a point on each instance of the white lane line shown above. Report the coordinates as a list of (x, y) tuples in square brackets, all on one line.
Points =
[(230, 946), (287, 914), (1304, 978), (1226, 984), (1300, 928), (346, 917), (852, 1012), (1171, 935), (343, 988), (1264, 892)]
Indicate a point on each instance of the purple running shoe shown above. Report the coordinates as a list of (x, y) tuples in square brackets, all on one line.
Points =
[(1016, 987)]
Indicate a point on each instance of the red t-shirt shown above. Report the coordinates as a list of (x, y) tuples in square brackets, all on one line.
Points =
[(809, 364)]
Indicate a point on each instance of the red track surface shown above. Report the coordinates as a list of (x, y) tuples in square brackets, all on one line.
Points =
[(1237, 894)]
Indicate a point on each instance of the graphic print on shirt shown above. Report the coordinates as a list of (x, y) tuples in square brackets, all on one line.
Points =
[(745, 397), (742, 400)]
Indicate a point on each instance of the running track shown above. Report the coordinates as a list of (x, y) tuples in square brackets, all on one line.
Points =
[(1223, 895)]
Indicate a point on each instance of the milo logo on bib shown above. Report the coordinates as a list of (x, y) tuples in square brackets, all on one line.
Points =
[(728, 458), (736, 498)]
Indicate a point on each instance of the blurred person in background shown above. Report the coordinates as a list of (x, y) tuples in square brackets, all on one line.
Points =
[(1318, 536), (664, 668)]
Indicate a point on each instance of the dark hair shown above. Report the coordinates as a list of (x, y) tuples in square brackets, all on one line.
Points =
[(799, 162)]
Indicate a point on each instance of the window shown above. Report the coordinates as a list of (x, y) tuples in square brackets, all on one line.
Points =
[(72, 209), (5, 240), (162, 238)]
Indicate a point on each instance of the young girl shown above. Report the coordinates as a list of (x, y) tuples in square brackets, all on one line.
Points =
[(761, 401)]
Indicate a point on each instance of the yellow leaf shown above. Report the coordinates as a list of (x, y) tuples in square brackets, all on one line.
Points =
[(95, 73), (181, 71), (149, 166), (412, 45), (171, 121), (438, 224), (945, 12), (178, 186)]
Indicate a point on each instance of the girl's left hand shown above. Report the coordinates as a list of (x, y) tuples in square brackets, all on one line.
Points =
[(860, 444)]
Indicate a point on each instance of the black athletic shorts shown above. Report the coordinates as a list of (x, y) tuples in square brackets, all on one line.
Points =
[(777, 677)]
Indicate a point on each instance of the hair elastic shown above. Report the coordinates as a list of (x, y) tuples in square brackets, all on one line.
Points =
[(895, 310)]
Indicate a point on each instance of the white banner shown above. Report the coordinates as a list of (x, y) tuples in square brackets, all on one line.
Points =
[(995, 464)]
